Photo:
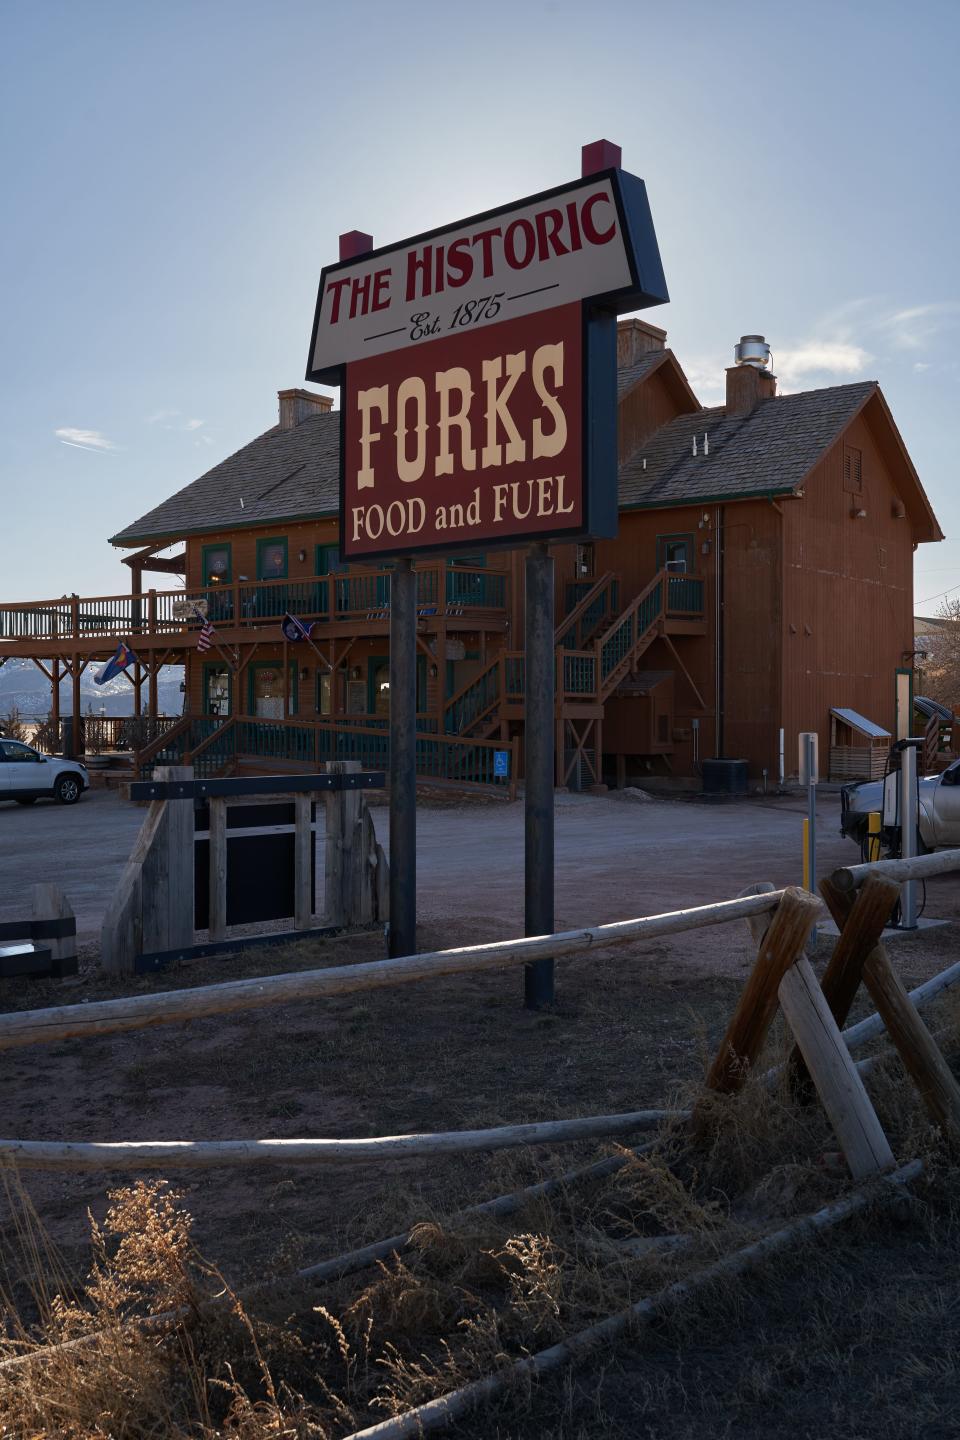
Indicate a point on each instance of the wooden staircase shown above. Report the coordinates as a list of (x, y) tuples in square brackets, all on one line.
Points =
[(598, 647)]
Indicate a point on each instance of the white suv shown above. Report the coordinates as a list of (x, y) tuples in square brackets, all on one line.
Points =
[(26, 775)]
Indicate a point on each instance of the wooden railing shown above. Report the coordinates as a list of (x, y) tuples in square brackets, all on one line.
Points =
[(166, 748), (337, 596), (474, 702), (618, 647), (212, 745), (596, 603), (99, 733)]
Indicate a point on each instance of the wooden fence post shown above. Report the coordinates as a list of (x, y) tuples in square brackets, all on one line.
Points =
[(218, 868), (860, 918), (916, 1046), (303, 863), (835, 1075), (782, 944), (861, 915), (334, 909), (167, 883), (342, 817), (50, 903)]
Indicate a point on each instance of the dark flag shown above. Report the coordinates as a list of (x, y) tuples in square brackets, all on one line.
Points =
[(295, 629), (118, 662)]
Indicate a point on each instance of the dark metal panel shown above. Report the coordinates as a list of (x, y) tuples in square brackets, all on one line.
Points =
[(255, 785)]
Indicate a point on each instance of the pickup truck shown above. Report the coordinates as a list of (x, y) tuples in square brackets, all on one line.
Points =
[(939, 809)]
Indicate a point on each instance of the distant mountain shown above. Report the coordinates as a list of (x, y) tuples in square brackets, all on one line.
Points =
[(25, 688)]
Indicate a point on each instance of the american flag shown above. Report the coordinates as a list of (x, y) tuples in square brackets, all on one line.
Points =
[(205, 638)]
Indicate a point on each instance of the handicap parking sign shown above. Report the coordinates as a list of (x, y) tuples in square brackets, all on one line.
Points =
[(501, 762)]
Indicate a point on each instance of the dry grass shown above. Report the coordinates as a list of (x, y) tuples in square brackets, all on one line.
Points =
[(470, 1296)]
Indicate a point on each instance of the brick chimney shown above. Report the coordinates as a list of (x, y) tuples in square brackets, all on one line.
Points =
[(749, 380), (298, 405), (635, 338)]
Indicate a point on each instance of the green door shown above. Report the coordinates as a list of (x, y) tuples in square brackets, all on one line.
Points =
[(265, 689)]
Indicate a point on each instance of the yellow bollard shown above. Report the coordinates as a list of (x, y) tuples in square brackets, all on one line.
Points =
[(806, 854), (873, 835)]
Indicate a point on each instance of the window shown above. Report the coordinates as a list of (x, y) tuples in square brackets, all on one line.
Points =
[(378, 682), (675, 554), (328, 560), (216, 690), (217, 569), (272, 559), (324, 693), (13, 750), (269, 695), (378, 685), (852, 470)]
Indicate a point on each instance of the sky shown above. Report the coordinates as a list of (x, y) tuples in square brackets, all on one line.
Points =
[(175, 176)]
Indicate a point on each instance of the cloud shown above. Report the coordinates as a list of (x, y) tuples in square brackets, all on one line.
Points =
[(796, 367), (706, 375), (820, 357), (173, 420), (917, 326), (920, 365), (83, 439)]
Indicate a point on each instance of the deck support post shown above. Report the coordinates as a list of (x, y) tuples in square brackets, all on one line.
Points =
[(55, 706), (403, 760), (75, 748), (538, 987)]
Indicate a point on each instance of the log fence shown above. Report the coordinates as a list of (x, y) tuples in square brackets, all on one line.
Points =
[(781, 922), (860, 899)]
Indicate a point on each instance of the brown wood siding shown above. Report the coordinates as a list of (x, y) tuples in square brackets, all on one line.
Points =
[(848, 595), (643, 410), (752, 579), (633, 556)]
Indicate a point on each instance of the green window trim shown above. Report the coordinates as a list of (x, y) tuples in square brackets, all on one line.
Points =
[(323, 678), (274, 574), (374, 661), (216, 666), (681, 537), (206, 551), (293, 691), (327, 560)]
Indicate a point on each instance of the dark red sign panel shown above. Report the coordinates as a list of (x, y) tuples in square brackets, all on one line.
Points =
[(477, 366), (474, 440)]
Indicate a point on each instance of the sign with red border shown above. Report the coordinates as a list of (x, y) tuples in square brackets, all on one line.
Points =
[(477, 367)]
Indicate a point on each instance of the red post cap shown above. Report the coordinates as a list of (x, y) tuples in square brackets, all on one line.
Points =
[(601, 155), (354, 244)]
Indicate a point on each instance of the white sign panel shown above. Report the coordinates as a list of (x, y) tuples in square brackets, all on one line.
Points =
[(804, 769), (546, 252)]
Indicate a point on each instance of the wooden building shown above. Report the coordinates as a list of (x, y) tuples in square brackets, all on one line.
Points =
[(761, 578)]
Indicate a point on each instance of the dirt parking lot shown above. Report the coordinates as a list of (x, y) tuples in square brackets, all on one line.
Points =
[(616, 856)]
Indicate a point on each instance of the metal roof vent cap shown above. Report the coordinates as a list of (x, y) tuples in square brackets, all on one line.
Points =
[(752, 350)]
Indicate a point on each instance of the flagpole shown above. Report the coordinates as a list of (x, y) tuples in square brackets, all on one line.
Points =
[(205, 620)]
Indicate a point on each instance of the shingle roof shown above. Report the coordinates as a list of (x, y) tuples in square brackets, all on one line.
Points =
[(282, 475), (769, 451), (293, 474)]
